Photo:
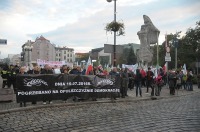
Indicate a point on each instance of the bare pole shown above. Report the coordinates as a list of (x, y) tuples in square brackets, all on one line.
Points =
[(115, 34)]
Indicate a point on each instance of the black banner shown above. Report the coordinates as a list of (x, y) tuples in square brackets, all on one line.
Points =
[(61, 87)]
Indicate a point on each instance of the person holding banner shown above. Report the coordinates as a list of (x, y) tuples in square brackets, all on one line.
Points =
[(47, 70), (76, 70), (36, 70), (22, 72), (114, 72), (65, 69)]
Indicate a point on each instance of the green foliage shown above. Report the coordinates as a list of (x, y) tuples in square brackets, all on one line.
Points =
[(131, 58), (194, 79), (188, 49), (96, 63), (104, 60), (115, 27)]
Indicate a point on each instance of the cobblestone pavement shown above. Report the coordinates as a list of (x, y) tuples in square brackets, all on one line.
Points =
[(180, 113), (10, 106)]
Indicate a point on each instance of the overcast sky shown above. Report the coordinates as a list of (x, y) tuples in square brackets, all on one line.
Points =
[(80, 24)]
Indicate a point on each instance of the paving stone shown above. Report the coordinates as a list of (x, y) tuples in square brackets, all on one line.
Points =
[(181, 113)]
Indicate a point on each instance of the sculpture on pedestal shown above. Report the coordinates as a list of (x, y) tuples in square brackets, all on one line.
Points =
[(147, 35)]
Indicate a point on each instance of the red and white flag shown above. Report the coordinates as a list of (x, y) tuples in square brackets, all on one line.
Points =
[(165, 68), (89, 67)]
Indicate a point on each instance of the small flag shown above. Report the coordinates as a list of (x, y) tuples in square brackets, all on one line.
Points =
[(184, 69)]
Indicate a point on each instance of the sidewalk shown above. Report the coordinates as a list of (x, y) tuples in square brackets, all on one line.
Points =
[(13, 106)]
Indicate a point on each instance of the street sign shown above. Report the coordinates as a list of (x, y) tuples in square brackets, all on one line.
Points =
[(167, 58), (167, 54), (109, 48), (3, 41)]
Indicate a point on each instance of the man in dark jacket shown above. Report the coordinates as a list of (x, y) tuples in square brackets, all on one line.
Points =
[(47, 70), (12, 77), (124, 84), (149, 80), (172, 82)]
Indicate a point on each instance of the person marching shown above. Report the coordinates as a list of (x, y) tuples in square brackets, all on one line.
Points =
[(149, 80), (172, 82), (124, 84), (138, 81)]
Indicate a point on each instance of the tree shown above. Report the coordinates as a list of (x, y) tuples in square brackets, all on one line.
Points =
[(189, 47), (188, 50), (131, 58), (104, 60)]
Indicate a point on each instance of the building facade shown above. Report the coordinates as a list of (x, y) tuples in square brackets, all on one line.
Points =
[(43, 49), (64, 54)]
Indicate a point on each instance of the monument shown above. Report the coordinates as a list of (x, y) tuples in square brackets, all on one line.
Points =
[(148, 35)]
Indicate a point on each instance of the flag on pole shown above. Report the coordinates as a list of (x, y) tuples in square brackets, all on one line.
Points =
[(118, 66), (165, 68), (166, 41), (89, 66), (156, 72), (184, 69)]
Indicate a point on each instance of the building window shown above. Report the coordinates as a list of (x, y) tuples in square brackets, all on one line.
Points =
[(70, 60), (64, 57), (70, 55), (59, 54), (67, 60), (64, 52), (56, 54), (67, 55)]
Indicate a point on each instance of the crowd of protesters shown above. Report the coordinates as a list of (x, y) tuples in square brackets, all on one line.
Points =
[(129, 79)]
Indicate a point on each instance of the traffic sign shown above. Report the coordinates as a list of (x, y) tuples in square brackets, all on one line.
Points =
[(167, 58), (167, 54), (3, 41)]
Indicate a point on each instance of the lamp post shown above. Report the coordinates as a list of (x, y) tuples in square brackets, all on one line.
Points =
[(114, 63), (28, 48), (175, 43)]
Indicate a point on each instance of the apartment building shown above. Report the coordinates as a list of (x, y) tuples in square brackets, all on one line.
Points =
[(64, 54)]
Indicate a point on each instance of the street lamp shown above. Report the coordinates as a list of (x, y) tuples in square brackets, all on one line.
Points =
[(175, 43), (114, 31), (28, 48)]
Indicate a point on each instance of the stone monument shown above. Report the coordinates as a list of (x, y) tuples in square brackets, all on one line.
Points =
[(147, 35)]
